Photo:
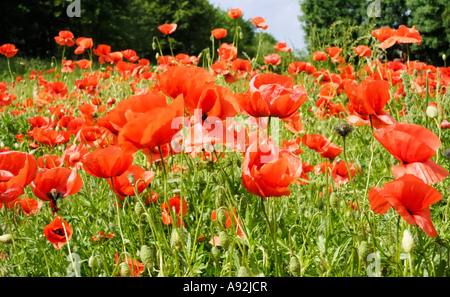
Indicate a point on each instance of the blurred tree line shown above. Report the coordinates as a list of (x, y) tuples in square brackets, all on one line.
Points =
[(350, 19), (123, 24)]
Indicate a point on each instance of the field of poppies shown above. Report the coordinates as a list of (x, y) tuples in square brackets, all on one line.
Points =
[(214, 165)]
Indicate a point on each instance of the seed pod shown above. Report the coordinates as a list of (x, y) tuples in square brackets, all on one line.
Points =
[(125, 270), (6, 239), (243, 272), (224, 240), (178, 238), (294, 266), (147, 255), (215, 255)]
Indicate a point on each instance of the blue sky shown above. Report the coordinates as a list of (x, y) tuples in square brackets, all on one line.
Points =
[(281, 16)]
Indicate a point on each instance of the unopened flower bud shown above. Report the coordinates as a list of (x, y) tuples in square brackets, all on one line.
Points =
[(444, 57), (294, 266), (91, 261), (215, 255), (131, 178), (244, 272), (432, 111), (224, 239), (6, 239), (147, 255), (363, 250), (125, 270), (407, 241), (222, 218), (139, 209), (178, 237)]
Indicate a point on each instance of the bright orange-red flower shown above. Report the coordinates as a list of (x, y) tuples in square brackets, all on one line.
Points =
[(130, 55), (282, 47), (320, 56), (8, 50), (363, 51), (73, 155), (260, 23), (414, 146), (56, 183), (403, 34), (123, 187), (273, 59), (235, 13), (268, 170), (167, 29), (107, 162), (83, 43), (334, 52), (177, 205), (153, 128), (321, 145), (58, 232), (65, 38), (410, 197), (219, 33), (227, 52), (17, 170), (136, 267), (272, 95)]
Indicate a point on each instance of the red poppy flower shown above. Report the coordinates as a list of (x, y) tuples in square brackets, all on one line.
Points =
[(322, 145), (107, 162), (272, 95), (130, 55), (58, 232), (95, 136), (49, 161), (268, 170), (103, 52), (227, 52), (300, 66), (153, 128), (123, 187), (369, 98), (83, 64), (334, 52), (402, 35), (410, 197), (273, 59), (383, 34), (340, 172), (320, 56), (49, 136), (260, 23), (56, 183), (30, 205), (83, 43), (167, 29), (219, 33), (8, 50), (65, 38), (363, 51), (178, 206), (414, 146), (17, 170), (282, 47), (235, 13)]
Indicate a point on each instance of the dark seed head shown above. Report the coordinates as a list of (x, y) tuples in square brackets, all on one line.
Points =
[(447, 153), (343, 129)]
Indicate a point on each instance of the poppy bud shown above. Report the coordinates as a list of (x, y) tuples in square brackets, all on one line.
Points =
[(407, 241), (215, 255), (147, 255), (224, 240), (131, 178), (222, 218), (112, 227), (444, 57), (220, 201), (432, 111), (91, 261), (241, 35), (125, 270), (415, 72), (319, 79), (154, 45), (294, 266), (243, 272), (178, 238), (363, 250), (139, 209), (6, 239), (334, 201)]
